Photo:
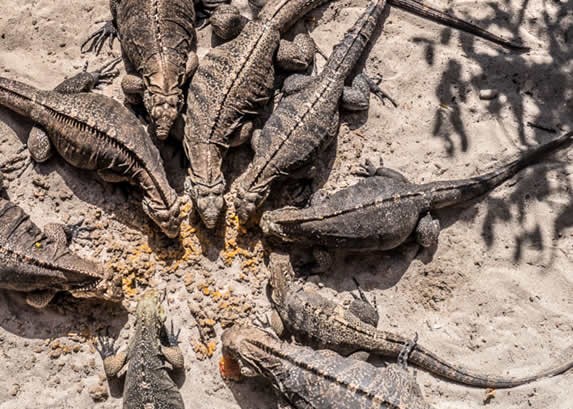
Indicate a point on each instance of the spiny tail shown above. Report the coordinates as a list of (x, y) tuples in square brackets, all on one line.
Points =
[(18, 97), (424, 359), (347, 53), (456, 192), (421, 9)]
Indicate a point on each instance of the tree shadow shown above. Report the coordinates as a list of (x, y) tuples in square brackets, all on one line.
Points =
[(64, 315), (533, 89)]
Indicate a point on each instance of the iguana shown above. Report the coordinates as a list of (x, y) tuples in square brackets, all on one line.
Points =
[(41, 263), (147, 381), (158, 45), (235, 80), (385, 210), (309, 379), (304, 313), (95, 132)]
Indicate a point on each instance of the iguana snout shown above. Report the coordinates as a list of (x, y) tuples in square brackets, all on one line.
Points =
[(208, 201), (164, 110), (168, 219), (246, 204)]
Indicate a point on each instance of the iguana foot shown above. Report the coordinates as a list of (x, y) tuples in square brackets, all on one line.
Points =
[(39, 299), (364, 309), (368, 169), (113, 361), (107, 72), (96, 41), (405, 353), (172, 352), (427, 231), (382, 95)]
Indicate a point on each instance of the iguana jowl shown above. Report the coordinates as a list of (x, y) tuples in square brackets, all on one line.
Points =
[(310, 317), (95, 132), (309, 379), (158, 45), (147, 380), (385, 209), (41, 263)]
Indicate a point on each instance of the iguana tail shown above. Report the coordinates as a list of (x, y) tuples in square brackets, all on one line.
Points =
[(423, 358), (18, 97), (425, 11), (455, 192)]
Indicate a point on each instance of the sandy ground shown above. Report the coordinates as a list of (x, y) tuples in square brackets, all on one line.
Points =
[(496, 294)]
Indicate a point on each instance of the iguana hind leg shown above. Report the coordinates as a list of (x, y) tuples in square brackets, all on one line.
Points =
[(427, 231), (364, 309), (357, 96), (39, 145)]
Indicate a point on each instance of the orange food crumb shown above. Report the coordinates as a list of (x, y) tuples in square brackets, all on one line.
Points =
[(229, 368)]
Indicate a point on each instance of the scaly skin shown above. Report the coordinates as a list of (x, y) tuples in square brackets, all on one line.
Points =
[(385, 210), (311, 317), (306, 120), (229, 88), (158, 46), (309, 379), (42, 264), (147, 381), (95, 132)]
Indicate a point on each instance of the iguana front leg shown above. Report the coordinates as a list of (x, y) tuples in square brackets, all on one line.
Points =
[(227, 22), (96, 41), (296, 55), (113, 361), (172, 352), (357, 96)]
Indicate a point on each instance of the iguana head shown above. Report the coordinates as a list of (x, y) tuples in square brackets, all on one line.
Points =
[(101, 285), (149, 314), (247, 202), (245, 352), (163, 108), (167, 218), (208, 200)]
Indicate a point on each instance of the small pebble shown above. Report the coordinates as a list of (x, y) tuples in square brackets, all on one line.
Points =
[(488, 94)]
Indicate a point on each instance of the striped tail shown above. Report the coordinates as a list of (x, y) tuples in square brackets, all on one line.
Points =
[(451, 193), (425, 359), (18, 97)]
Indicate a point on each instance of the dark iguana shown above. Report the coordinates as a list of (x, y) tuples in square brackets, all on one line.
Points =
[(147, 381), (41, 263), (307, 117), (158, 46), (95, 132), (311, 317), (384, 210), (235, 80), (309, 379)]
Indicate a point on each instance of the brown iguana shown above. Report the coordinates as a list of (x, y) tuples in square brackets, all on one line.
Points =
[(313, 318), (41, 263), (158, 45), (235, 80), (384, 210), (147, 381), (309, 379), (95, 132)]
